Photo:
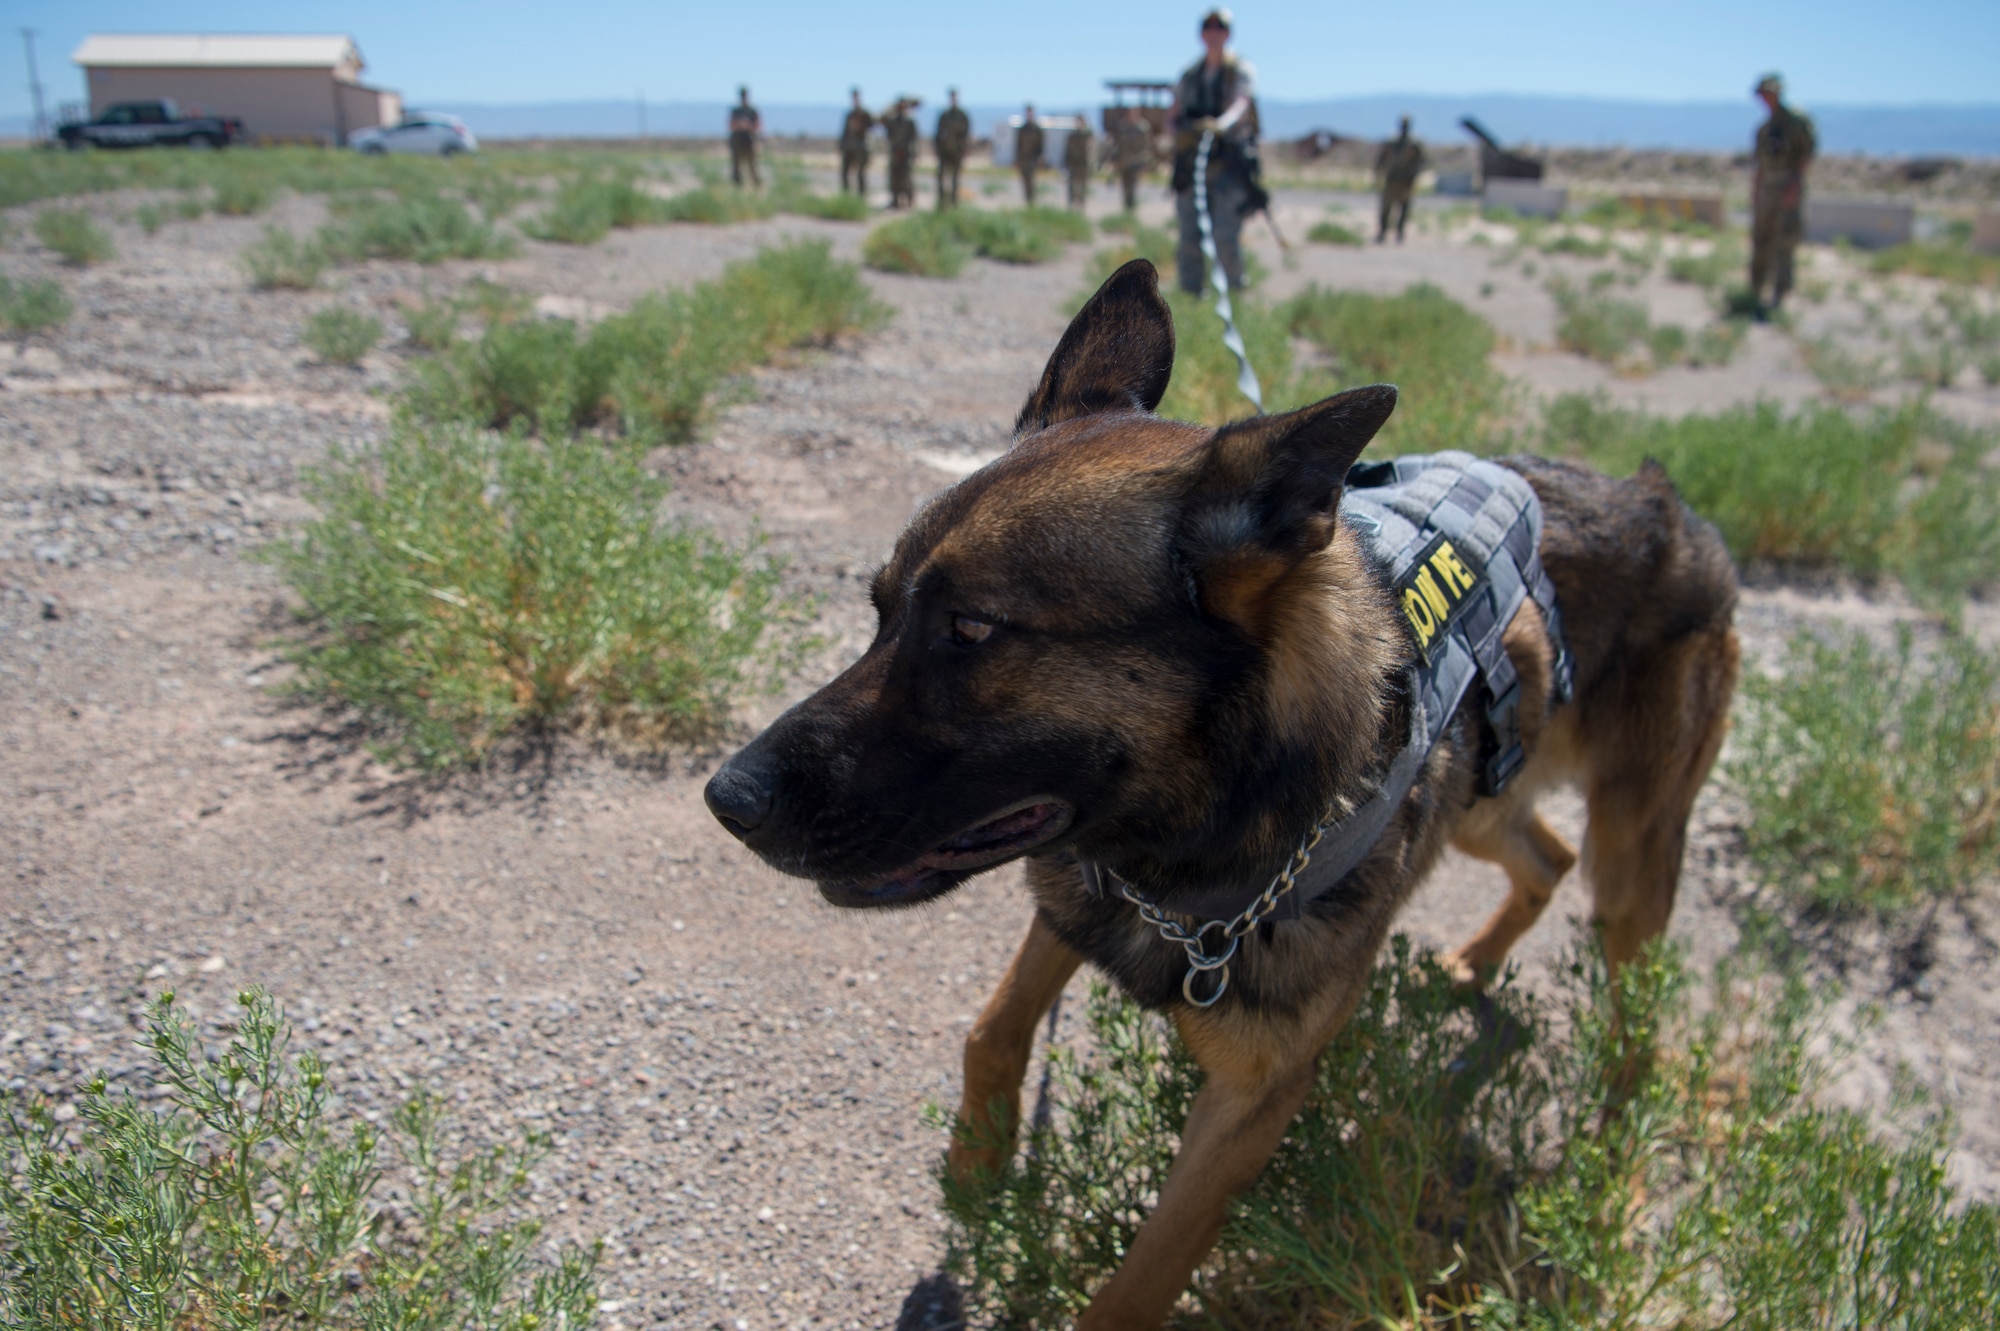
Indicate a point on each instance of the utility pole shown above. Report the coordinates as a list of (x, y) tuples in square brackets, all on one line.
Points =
[(35, 86)]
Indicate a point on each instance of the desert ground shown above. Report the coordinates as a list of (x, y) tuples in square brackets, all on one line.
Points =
[(734, 1071)]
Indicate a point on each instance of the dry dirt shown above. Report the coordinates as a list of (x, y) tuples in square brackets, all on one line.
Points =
[(734, 1071)]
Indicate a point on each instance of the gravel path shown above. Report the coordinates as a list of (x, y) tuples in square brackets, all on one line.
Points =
[(734, 1072)]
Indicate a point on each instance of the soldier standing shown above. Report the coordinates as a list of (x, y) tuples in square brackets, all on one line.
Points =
[(1215, 96), (1078, 159), (954, 133), (902, 134), (745, 128), (1028, 145), (1399, 164), (1132, 149), (1784, 148), (854, 147)]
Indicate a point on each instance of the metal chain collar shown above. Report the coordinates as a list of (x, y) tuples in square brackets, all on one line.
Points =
[(1201, 961)]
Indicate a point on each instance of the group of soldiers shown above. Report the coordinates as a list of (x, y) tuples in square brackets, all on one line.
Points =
[(1214, 120)]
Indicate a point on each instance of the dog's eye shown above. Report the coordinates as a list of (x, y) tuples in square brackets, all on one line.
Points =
[(965, 630)]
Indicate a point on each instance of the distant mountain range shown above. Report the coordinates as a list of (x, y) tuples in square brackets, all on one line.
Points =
[(1966, 131)]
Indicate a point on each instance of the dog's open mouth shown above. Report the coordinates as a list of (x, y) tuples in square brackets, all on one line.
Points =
[(1015, 830)]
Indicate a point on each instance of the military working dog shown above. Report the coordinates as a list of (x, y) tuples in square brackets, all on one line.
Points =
[(1159, 648)]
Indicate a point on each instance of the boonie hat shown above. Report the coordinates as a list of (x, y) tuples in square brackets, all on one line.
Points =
[(1219, 17), (1771, 83)]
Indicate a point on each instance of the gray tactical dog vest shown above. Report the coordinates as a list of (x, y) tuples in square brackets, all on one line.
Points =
[(1460, 539)]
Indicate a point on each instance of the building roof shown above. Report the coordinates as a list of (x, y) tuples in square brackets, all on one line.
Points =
[(214, 51)]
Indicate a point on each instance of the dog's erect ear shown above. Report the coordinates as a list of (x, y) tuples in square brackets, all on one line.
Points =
[(1116, 355), (1265, 494)]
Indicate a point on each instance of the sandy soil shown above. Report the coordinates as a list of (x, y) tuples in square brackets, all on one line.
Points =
[(734, 1071)]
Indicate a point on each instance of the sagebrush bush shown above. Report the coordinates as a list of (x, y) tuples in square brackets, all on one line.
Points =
[(241, 1200), (32, 306), (460, 586), (71, 233), (340, 334), (1329, 232), (938, 244), (428, 228), (652, 371), (242, 194), (433, 325), (1903, 491), (717, 205), (1872, 775), (1468, 1162), (1432, 348), (284, 261), (583, 212), (923, 244)]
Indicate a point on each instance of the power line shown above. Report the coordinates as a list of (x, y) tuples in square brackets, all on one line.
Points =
[(35, 85)]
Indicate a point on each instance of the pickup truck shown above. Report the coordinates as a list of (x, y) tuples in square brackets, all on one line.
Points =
[(150, 124)]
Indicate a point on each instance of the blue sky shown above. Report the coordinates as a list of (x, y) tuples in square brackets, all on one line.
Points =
[(1924, 52)]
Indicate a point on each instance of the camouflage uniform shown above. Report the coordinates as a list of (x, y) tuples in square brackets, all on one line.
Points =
[(954, 134), (854, 149), (1078, 159), (1785, 145), (902, 134), (1133, 151), (1399, 164), (744, 126), (1201, 96), (1028, 144)]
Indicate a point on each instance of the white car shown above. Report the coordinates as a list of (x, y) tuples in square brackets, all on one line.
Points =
[(421, 132)]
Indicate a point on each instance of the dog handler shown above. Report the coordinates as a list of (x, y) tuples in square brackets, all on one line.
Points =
[(1215, 94)]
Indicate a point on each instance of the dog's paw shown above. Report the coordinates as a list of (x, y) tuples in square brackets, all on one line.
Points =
[(1466, 972)]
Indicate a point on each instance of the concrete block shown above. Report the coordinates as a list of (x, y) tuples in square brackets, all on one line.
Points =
[(1864, 223), (1460, 184), (1527, 197), (1703, 208), (1986, 233)]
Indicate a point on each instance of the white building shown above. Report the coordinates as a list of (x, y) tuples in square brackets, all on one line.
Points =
[(284, 88)]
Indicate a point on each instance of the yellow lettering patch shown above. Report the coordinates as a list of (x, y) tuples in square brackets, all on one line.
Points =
[(1435, 591)]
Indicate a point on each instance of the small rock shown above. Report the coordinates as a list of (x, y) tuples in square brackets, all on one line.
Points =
[(212, 964), (51, 606)]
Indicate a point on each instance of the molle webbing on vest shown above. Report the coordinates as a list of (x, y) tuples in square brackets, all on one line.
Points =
[(1460, 539)]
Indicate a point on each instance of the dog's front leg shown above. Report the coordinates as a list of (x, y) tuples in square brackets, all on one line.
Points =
[(996, 1053), (1236, 1122)]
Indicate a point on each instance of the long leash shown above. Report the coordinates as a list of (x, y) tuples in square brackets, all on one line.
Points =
[(1246, 378)]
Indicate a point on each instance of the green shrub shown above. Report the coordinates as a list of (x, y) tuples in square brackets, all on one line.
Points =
[(1118, 224), (150, 217), (235, 1200), (583, 212), (1710, 268), (1846, 374), (341, 335), (1950, 260), (938, 244), (496, 302), (925, 244), (1872, 776), (652, 371), (71, 233), (1432, 348), (1469, 1163), (1334, 233), (716, 205), (285, 261), (433, 325), (1569, 242), (32, 306), (243, 195), (840, 207), (497, 194), (1604, 328), (428, 228), (461, 586), (1902, 492)]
